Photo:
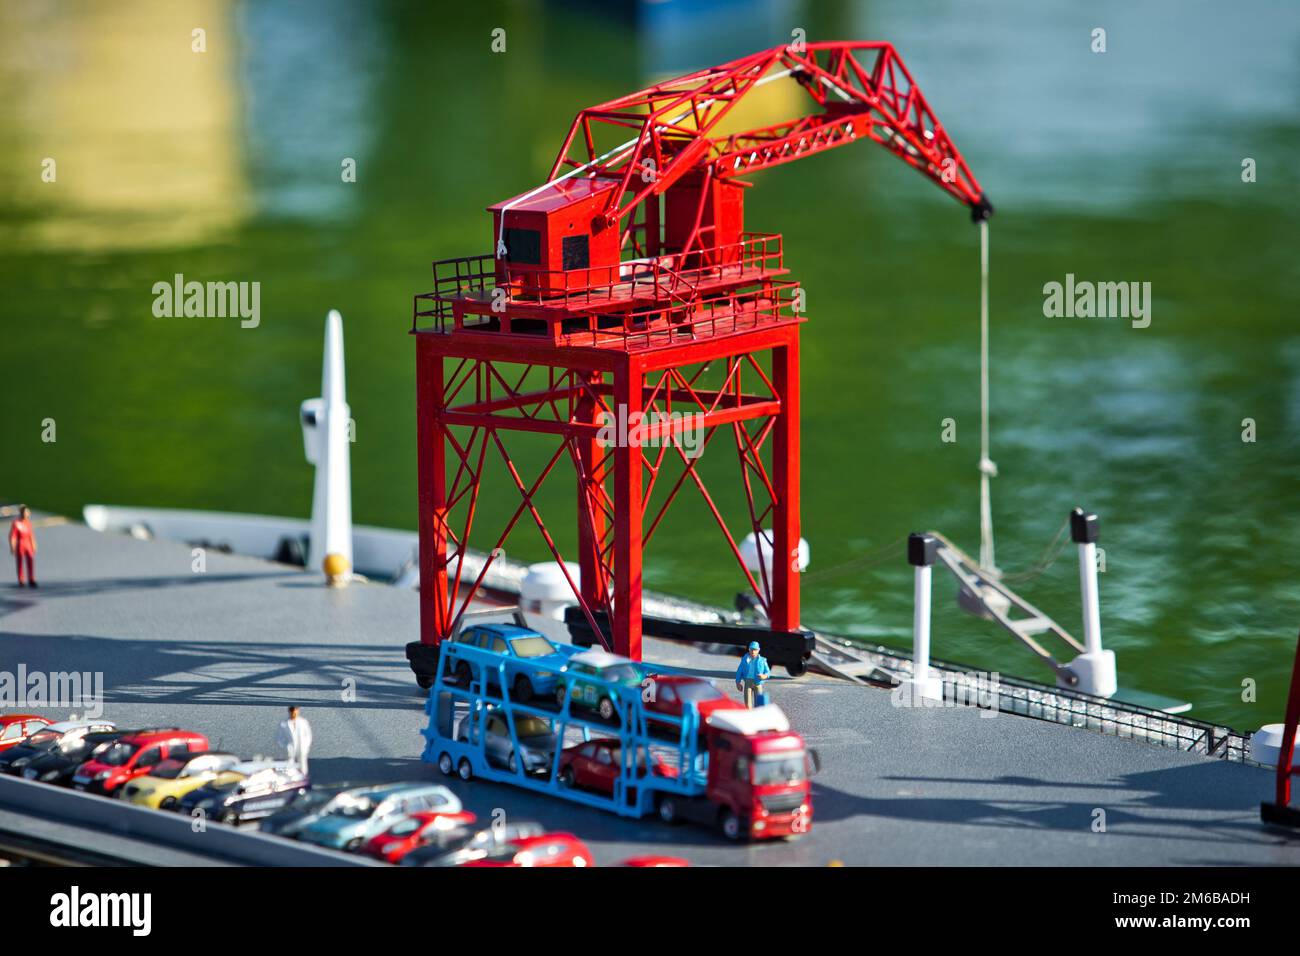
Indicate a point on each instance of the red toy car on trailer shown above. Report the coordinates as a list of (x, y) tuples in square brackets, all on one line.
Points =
[(595, 765), (673, 691)]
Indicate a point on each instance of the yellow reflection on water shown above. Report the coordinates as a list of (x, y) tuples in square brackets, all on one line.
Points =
[(143, 130)]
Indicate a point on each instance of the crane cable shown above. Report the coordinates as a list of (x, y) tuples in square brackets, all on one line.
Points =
[(986, 466)]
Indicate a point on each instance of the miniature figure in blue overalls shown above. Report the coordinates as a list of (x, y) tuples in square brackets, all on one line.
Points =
[(751, 673)]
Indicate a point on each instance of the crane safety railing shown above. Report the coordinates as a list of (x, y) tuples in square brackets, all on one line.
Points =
[(672, 277), (710, 316)]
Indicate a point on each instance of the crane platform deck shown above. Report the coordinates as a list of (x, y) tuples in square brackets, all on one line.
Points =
[(224, 650)]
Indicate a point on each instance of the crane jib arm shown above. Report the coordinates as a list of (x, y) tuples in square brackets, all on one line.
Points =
[(859, 90)]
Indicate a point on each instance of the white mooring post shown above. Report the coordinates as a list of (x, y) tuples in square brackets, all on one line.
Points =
[(923, 684), (325, 437), (1095, 667)]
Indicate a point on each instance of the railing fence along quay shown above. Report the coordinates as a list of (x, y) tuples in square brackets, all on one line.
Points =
[(970, 686)]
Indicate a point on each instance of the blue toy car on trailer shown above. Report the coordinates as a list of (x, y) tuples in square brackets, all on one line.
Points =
[(514, 643)]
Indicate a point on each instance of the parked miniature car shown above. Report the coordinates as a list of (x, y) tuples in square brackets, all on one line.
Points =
[(547, 849), (596, 765), (359, 815), (58, 766), (440, 845), (537, 742), (461, 846), (673, 691), (247, 791), (14, 727), (515, 643), (46, 739), (302, 809), (134, 755), (592, 696), (413, 831), (163, 787), (655, 861)]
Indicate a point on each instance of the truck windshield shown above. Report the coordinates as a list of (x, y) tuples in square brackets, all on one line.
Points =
[(790, 767), (536, 646)]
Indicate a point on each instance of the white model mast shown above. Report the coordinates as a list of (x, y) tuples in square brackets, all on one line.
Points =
[(325, 423)]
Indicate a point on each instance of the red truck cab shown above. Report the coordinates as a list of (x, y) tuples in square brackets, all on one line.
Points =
[(759, 774)]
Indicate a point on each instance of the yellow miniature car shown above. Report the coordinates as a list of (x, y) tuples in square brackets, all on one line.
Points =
[(164, 785)]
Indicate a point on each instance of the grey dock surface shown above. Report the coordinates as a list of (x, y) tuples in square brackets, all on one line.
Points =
[(225, 650)]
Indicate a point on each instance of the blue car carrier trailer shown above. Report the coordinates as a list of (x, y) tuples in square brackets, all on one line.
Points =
[(457, 742), (745, 772)]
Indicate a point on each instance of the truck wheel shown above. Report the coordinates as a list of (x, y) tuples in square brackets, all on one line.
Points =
[(424, 682), (464, 770), (445, 764), (523, 688), (730, 825), (668, 809), (797, 669), (606, 709)]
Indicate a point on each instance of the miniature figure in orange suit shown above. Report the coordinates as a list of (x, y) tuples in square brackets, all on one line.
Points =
[(22, 544)]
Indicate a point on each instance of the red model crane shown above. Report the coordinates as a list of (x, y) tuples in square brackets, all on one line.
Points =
[(610, 290), (1280, 810)]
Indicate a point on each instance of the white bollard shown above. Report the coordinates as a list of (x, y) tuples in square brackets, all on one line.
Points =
[(546, 592), (1095, 667), (923, 684), (757, 556), (325, 437)]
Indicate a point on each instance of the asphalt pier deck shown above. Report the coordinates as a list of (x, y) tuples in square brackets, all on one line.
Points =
[(223, 650)]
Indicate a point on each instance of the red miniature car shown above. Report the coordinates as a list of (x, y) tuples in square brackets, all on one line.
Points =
[(671, 691), (14, 727), (416, 830), (549, 849), (134, 755), (656, 861), (595, 765)]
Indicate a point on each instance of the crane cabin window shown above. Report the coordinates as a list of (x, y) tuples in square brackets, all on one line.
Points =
[(524, 247), (576, 252)]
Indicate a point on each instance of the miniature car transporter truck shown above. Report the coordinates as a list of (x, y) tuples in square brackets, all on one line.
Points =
[(744, 771)]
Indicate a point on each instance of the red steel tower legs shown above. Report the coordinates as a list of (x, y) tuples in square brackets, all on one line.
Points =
[(629, 501), (785, 473), (431, 464), (628, 419)]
